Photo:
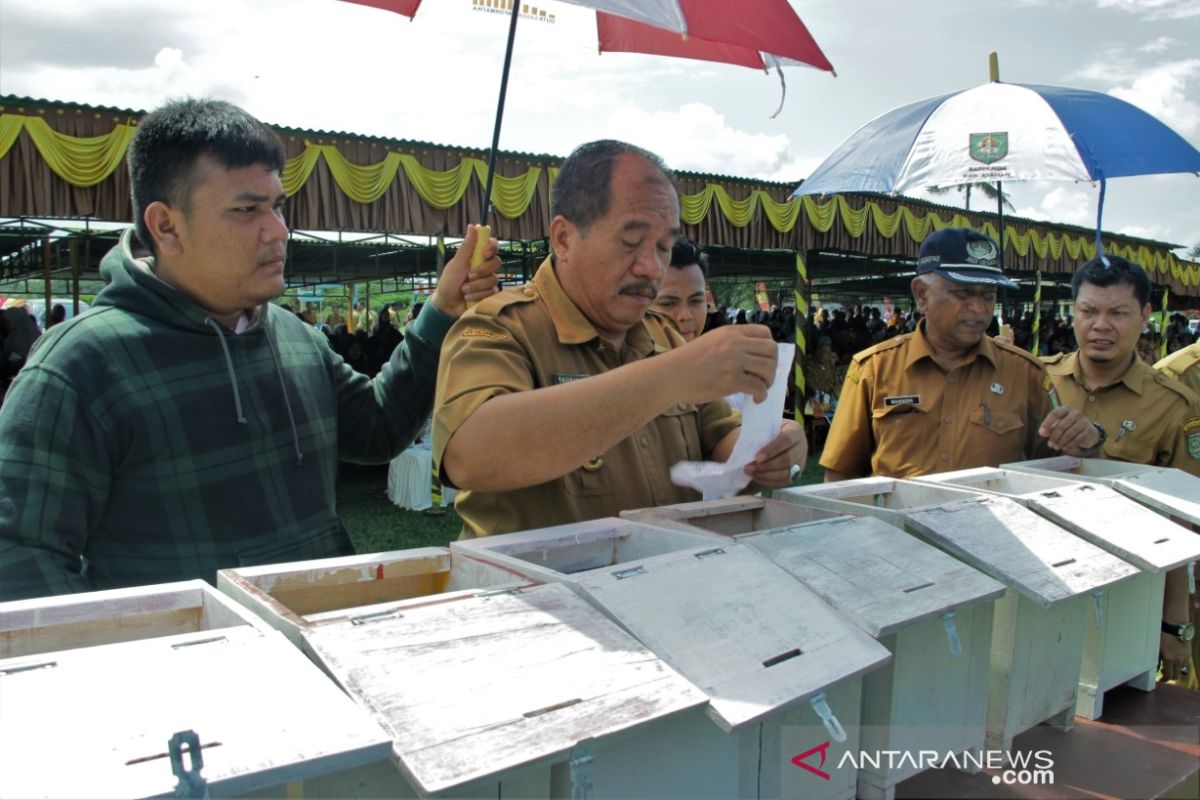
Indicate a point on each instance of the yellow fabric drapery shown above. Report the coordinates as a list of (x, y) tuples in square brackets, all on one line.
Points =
[(511, 195), (10, 128), (87, 161), (79, 160), (297, 170)]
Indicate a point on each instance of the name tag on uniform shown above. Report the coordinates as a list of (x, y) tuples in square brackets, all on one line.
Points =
[(567, 377), (903, 400)]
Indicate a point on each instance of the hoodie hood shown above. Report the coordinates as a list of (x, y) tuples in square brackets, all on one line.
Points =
[(132, 285)]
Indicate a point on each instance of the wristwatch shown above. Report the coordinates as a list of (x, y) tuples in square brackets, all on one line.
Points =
[(1184, 632)]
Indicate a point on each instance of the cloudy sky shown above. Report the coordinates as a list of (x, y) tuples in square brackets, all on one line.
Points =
[(331, 65)]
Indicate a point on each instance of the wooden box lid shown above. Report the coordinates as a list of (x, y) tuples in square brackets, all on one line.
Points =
[(746, 632), (473, 686), (96, 721), (873, 574), (993, 534), (1169, 491), (1092, 511)]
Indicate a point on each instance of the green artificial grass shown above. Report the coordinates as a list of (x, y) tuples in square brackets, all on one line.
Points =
[(376, 525)]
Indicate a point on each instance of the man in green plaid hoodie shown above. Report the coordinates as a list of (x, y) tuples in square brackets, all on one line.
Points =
[(185, 424)]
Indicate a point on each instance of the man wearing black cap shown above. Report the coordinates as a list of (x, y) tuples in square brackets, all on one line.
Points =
[(947, 396)]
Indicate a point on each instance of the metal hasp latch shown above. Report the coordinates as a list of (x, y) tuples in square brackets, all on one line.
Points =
[(581, 771), (821, 706), (952, 634), (1099, 598), (191, 784)]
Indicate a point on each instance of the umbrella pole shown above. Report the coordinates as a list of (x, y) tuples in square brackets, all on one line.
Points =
[(1000, 220), (1099, 217), (491, 171)]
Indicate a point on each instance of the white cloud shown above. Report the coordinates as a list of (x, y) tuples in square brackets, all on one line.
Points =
[(1162, 91), (696, 138), (1069, 205), (1159, 45), (169, 58), (1158, 233), (1155, 9)]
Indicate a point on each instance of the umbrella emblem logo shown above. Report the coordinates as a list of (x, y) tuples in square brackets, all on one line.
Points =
[(988, 148)]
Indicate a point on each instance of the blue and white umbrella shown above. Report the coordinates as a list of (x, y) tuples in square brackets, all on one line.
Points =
[(1003, 132)]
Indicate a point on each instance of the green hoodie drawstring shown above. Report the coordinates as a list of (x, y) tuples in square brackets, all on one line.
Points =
[(237, 397)]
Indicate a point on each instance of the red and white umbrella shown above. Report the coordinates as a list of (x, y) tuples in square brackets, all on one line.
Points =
[(750, 33)]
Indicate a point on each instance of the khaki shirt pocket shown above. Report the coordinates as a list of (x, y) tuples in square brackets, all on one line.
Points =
[(680, 429), (1129, 449), (897, 425), (999, 422)]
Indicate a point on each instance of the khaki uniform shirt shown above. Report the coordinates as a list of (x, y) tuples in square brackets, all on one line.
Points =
[(531, 337), (1160, 417), (900, 415), (1184, 366)]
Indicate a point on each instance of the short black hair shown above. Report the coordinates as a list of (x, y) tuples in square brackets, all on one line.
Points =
[(685, 252), (582, 191), (168, 142), (1117, 270)]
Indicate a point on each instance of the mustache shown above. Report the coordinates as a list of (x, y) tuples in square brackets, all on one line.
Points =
[(643, 287)]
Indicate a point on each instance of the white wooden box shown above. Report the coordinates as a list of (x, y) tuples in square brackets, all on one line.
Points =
[(932, 612), (490, 683), (70, 621), (88, 714), (768, 652), (1054, 579), (301, 595), (1125, 648), (1168, 491)]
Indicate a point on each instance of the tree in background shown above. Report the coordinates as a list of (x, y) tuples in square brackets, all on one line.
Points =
[(988, 190)]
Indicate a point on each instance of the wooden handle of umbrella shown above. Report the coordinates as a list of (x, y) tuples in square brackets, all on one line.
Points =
[(483, 235)]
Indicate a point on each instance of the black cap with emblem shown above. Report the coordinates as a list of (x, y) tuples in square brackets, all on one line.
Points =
[(963, 256)]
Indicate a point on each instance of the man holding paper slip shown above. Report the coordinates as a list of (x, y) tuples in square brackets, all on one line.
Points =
[(564, 400)]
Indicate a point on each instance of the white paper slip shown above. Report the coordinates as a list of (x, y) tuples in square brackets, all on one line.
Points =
[(760, 424)]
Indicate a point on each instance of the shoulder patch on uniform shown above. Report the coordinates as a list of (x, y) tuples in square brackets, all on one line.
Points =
[(1191, 432), (483, 333)]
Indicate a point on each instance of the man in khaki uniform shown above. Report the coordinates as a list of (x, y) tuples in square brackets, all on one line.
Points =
[(563, 400), (1184, 366), (1150, 419), (947, 396)]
